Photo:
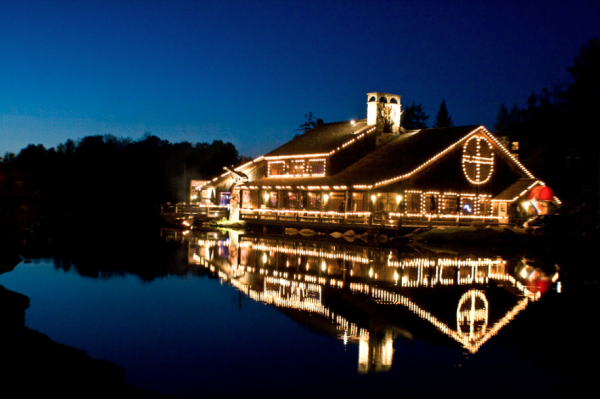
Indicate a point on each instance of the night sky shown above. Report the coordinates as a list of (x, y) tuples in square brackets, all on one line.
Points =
[(248, 72)]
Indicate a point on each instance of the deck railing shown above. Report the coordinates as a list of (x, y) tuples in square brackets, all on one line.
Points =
[(378, 218)]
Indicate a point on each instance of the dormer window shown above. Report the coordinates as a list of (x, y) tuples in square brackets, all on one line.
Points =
[(316, 167), (297, 167), (277, 168)]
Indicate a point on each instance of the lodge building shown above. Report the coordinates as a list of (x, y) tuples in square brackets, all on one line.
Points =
[(374, 172)]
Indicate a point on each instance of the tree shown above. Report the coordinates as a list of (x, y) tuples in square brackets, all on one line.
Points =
[(502, 119), (443, 118), (583, 94), (309, 123), (414, 117)]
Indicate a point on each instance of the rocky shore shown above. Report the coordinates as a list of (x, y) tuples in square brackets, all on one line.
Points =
[(32, 363)]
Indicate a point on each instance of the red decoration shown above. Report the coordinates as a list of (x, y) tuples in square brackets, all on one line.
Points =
[(535, 192), (546, 194), (541, 193)]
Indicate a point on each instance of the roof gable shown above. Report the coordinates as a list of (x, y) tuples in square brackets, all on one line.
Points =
[(411, 152), (323, 140)]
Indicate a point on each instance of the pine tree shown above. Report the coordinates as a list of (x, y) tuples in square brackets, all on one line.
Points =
[(309, 123), (502, 119), (414, 117), (443, 118)]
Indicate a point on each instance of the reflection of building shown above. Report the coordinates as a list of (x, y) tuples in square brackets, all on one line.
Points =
[(373, 172), (367, 295)]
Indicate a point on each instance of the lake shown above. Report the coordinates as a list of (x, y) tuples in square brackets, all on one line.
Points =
[(248, 314)]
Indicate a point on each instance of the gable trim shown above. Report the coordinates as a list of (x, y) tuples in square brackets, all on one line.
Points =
[(324, 154), (444, 152)]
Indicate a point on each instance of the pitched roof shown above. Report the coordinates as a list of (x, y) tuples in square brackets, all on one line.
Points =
[(322, 139), (403, 154), (517, 189)]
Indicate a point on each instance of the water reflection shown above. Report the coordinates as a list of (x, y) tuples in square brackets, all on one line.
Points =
[(370, 295)]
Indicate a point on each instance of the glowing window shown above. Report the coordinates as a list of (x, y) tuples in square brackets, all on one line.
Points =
[(316, 167), (297, 168), (277, 168), (413, 202), (467, 206)]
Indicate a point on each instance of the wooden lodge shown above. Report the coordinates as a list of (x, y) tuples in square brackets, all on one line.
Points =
[(375, 173)]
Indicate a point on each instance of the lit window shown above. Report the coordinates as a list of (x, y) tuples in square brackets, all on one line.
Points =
[(297, 168), (277, 168), (316, 167)]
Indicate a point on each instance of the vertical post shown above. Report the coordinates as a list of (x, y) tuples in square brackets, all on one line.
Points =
[(184, 182), (278, 205), (345, 205), (322, 207)]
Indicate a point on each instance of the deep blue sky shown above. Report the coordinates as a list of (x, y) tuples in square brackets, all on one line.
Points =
[(248, 72)]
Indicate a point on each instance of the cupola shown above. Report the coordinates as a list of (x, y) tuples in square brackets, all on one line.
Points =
[(383, 111)]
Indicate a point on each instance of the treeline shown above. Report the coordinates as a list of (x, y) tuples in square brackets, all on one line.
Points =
[(100, 176), (557, 133)]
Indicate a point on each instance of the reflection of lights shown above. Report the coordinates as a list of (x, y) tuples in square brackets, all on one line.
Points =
[(431, 271), (398, 199), (558, 287), (373, 197), (264, 258), (472, 314)]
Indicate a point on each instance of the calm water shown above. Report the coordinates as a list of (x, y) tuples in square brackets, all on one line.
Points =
[(237, 315)]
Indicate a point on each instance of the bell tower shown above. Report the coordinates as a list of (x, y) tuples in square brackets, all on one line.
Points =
[(383, 111)]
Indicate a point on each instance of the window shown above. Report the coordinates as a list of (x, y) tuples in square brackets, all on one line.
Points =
[(357, 203), (268, 199), (413, 202), (336, 202), (316, 166), (277, 168), (484, 206), (449, 205), (292, 200), (431, 203), (467, 205), (249, 199), (297, 167), (314, 201), (386, 202), (224, 198), (514, 146)]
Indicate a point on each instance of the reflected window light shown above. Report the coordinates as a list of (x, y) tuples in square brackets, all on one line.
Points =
[(523, 273)]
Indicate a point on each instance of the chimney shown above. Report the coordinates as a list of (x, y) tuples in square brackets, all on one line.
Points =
[(383, 111)]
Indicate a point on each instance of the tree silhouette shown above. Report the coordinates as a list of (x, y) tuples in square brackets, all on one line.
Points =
[(414, 117), (443, 118), (309, 123)]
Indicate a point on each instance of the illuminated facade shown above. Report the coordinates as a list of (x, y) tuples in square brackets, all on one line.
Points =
[(373, 172)]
